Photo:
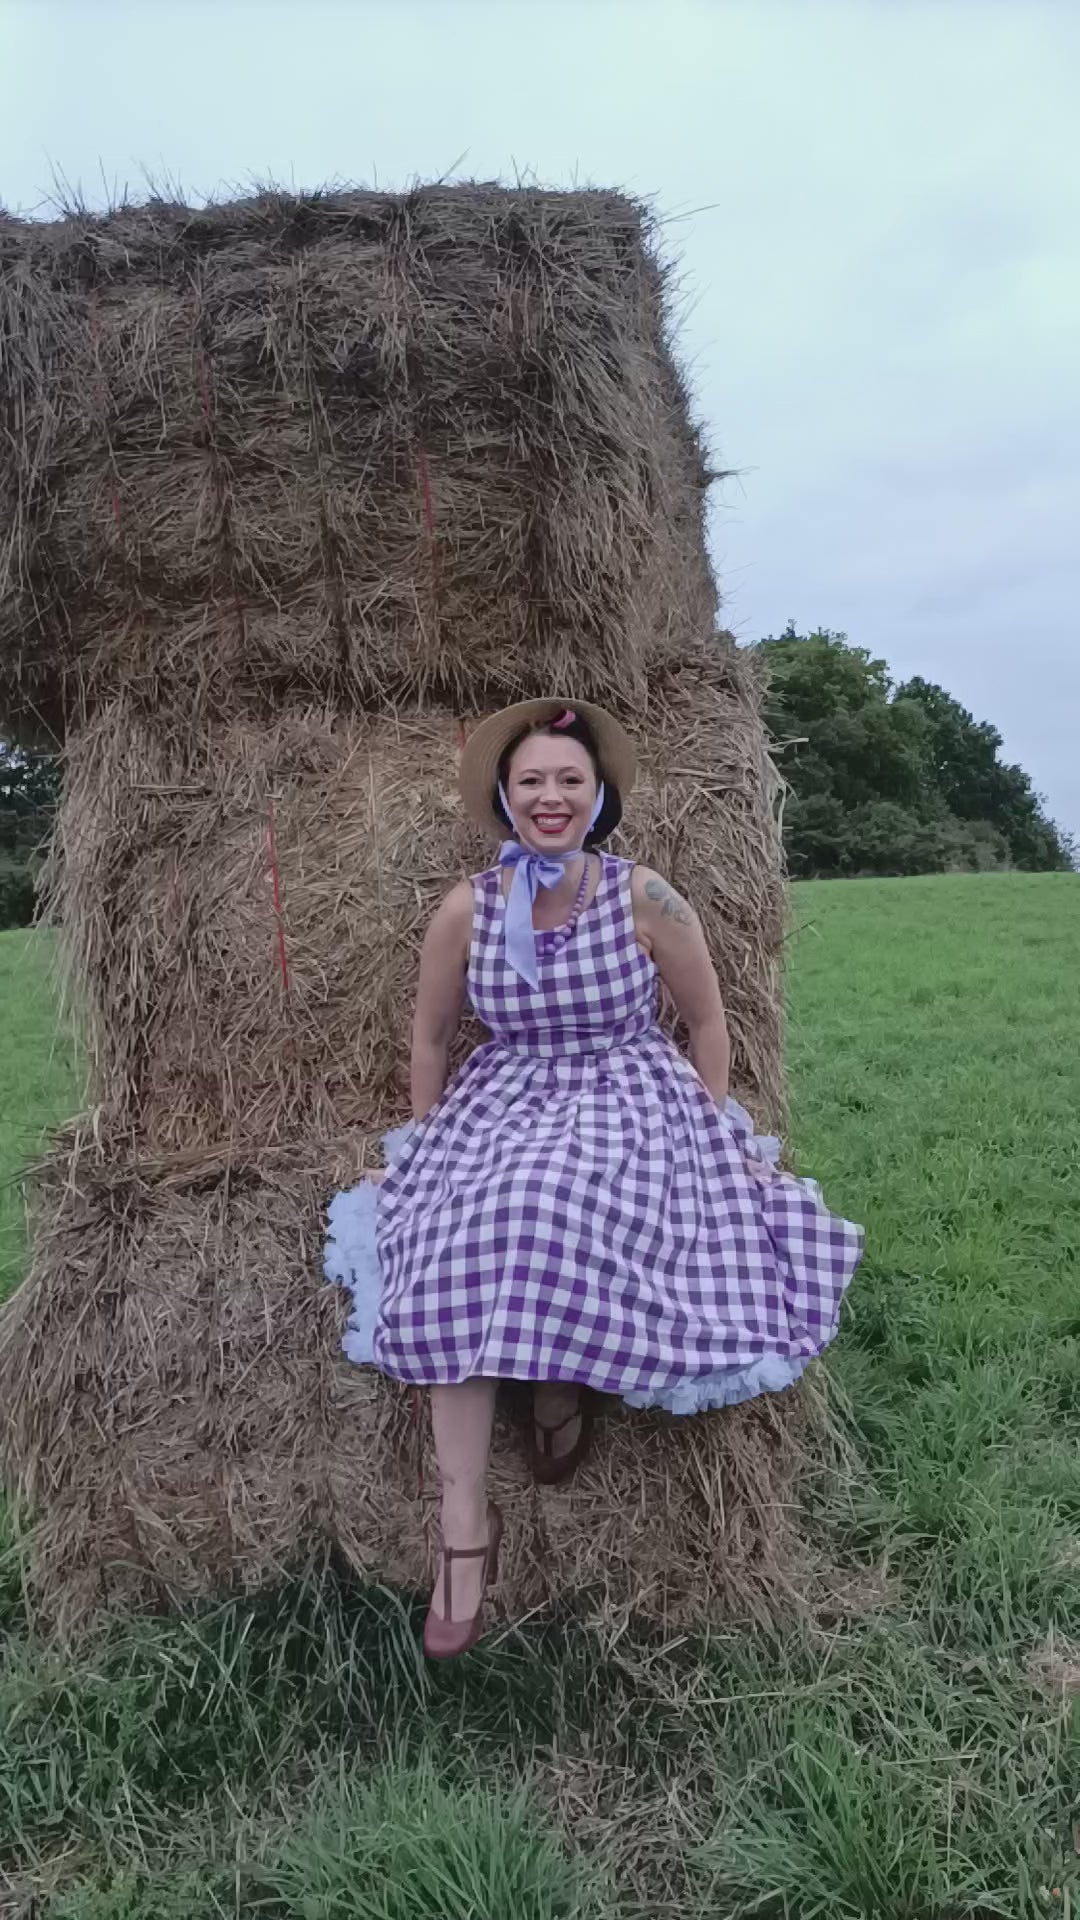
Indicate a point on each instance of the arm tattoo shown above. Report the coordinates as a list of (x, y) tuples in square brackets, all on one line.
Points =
[(671, 904)]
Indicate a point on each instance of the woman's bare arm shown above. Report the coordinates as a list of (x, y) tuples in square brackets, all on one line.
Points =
[(440, 997), (670, 931)]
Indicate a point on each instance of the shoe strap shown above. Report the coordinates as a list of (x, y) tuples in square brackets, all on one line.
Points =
[(550, 1432), (450, 1554)]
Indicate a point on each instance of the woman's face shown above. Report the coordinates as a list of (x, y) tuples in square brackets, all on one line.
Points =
[(552, 792)]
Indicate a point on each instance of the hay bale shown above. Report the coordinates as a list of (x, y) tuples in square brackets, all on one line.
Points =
[(184, 1425), (377, 442), (171, 1386), (160, 885), (290, 490), (174, 1405)]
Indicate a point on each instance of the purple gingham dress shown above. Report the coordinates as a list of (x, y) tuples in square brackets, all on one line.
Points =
[(577, 1207)]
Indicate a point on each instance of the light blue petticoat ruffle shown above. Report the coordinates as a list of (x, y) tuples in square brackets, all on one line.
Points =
[(351, 1260)]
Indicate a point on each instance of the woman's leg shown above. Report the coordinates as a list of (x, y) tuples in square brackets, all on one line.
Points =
[(461, 1419)]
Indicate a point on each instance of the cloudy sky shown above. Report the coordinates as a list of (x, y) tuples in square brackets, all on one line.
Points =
[(876, 206)]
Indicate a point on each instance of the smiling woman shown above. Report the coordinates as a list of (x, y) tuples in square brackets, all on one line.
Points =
[(550, 785), (580, 1207)]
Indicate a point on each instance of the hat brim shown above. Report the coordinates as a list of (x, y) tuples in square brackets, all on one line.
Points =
[(478, 772)]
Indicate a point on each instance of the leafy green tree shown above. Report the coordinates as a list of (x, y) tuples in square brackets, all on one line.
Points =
[(29, 789), (975, 785), (892, 780)]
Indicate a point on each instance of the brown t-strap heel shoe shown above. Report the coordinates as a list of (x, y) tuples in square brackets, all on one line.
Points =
[(549, 1468), (445, 1639)]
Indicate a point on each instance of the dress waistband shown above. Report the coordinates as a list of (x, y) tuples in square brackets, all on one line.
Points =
[(585, 1047)]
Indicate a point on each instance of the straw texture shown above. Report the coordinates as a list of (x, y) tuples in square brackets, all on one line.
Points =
[(293, 492), (375, 444)]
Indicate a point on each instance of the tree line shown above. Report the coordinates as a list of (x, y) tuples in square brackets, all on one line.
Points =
[(882, 779), (893, 779)]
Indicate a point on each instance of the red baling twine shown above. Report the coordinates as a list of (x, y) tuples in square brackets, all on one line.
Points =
[(429, 518), (433, 548), (206, 392), (103, 398), (277, 897)]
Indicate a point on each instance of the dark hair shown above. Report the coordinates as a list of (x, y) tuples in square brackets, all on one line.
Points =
[(579, 730)]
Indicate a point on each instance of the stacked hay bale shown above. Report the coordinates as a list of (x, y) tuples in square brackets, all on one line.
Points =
[(296, 488)]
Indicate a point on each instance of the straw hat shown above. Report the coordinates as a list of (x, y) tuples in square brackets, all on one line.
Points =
[(479, 770)]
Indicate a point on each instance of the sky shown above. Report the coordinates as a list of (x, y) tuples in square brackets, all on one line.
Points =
[(874, 206)]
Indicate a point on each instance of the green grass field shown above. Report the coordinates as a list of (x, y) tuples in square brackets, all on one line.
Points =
[(914, 1756), (40, 1081)]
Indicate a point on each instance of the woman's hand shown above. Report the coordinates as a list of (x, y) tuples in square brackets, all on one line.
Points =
[(440, 997), (671, 933)]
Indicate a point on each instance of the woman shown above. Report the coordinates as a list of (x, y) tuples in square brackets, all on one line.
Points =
[(580, 1207)]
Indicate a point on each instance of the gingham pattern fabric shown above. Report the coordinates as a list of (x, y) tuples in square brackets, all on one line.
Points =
[(576, 1207)]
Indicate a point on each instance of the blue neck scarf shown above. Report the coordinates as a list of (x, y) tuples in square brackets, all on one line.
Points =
[(531, 872)]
